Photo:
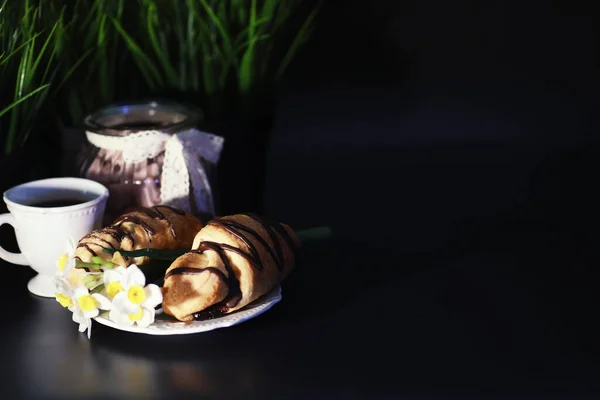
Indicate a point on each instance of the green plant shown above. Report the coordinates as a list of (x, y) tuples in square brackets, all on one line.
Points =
[(220, 51), (28, 68), (95, 50)]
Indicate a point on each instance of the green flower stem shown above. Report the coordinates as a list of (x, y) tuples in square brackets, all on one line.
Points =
[(81, 264), (103, 262), (314, 234), (98, 289), (158, 254), (306, 235), (92, 279)]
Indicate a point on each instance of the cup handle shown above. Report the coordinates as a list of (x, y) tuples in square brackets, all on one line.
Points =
[(13, 258)]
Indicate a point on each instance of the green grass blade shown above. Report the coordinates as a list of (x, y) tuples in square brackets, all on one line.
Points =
[(72, 69), (42, 51), (301, 37), (246, 67), (21, 72), (161, 53), (6, 57), (227, 43), (191, 49), (260, 22), (268, 8), (22, 99), (145, 64), (12, 133), (208, 73), (255, 40)]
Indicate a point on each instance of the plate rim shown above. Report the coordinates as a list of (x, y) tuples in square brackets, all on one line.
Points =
[(259, 306)]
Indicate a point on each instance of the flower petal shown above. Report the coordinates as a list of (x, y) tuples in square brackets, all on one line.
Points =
[(82, 327), (134, 277), (112, 275), (71, 246), (153, 296), (63, 286), (91, 313), (122, 303), (147, 317), (69, 266), (77, 315), (80, 291), (119, 318), (121, 270), (103, 302)]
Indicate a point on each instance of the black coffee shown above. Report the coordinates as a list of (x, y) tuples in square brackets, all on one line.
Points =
[(57, 203)]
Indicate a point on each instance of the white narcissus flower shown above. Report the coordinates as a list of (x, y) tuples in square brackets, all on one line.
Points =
[(87, 306), (66, 261), (134, 303), (113, 281), (64, 293)]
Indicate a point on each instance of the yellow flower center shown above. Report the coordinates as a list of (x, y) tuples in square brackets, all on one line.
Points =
[(137, 316), (113, 288), (64, 300), (62, 262), (136, 295), (87, 303)]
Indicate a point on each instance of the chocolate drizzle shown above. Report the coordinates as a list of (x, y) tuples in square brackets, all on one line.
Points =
[(155, 213), (173, 209), (88, 248), (236, 229), (196, 271), (151, 212), (117, 232), (136, 220), (94, 235), (272, 228)]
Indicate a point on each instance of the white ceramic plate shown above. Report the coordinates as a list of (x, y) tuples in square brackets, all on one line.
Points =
[(167, 325)]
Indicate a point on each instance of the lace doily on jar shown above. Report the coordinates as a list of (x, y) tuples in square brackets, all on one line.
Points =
[(182, 168)]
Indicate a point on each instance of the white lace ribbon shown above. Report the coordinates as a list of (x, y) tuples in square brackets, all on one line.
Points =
[(182, 167)]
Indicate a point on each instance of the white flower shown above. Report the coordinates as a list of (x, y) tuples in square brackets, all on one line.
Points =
[(66, 261), (87, 306), (134, 302), (64, 293), (113, 279)]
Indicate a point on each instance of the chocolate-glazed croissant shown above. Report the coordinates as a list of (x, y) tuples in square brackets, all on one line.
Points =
[(234, 261), (158, 227)]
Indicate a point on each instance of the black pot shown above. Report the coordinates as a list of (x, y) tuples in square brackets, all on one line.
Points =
[(241, 169)]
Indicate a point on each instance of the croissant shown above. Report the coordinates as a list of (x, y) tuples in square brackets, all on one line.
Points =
[(158, 227), (234, 260)]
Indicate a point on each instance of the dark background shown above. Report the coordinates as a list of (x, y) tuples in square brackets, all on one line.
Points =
[(452, 147), (432, 112)]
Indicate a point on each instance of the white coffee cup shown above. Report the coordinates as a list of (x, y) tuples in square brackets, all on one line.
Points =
[(45, 215)]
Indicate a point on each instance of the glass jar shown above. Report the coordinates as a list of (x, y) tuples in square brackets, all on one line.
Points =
[(138, 183)]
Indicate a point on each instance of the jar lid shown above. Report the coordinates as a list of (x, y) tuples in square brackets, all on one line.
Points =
[(120, 119)]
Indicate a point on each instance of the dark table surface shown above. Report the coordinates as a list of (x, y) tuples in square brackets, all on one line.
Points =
[(511, 314)]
